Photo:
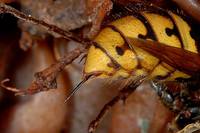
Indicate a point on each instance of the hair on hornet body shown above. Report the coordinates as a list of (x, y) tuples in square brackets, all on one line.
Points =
[(146, 43)]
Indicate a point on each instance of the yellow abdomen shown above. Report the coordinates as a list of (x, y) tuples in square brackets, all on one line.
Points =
[(113, 49)]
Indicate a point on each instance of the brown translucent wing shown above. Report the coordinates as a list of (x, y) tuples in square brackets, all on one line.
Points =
[(178, 58)]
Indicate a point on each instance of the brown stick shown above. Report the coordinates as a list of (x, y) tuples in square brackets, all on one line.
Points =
[(48, 75), (123, 95), (28, 18), (46, 79)]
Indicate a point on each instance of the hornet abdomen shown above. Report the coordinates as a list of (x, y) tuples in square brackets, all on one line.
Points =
[(113, 56)]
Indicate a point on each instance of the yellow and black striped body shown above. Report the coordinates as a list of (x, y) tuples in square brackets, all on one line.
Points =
[(169, 29)]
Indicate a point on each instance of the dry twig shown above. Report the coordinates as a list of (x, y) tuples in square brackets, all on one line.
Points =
[(28, 18), (46, 79), (123, 95)]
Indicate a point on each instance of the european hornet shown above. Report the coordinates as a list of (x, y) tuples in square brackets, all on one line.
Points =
[(118, 53), (140, 43)]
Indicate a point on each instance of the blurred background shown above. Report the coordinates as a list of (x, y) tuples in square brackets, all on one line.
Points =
[(26, 49)]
